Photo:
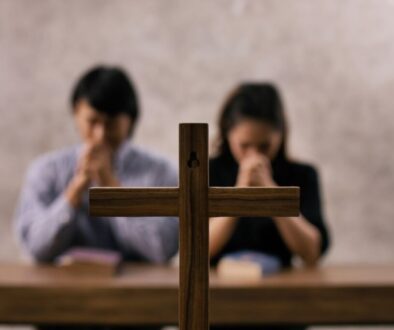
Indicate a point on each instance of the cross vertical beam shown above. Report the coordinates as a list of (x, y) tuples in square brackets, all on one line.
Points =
[(193, 227)]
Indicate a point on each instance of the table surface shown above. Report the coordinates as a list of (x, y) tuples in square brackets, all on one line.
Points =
[(147, 294)]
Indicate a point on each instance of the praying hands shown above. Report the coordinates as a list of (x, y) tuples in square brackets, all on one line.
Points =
[(255, 170), (94, 168)]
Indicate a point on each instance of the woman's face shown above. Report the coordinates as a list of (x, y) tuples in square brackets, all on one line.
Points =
[(253, 136)]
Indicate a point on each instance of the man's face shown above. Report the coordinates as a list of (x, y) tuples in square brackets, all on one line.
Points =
[(96, 128)]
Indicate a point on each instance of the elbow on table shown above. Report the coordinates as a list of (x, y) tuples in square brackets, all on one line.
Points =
[(312, 261), (159, 257), (30, 249), (313, 258), (163, 252), (38, 254)]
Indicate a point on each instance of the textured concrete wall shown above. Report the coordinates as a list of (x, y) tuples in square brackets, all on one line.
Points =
[(333, 60)]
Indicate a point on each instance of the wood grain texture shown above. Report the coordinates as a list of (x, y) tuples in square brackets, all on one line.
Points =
[(253, 202), (193, 227), (147, 294), (133, 202), (281, 201)]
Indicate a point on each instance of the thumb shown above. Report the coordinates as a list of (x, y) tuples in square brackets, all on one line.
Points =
[(98, 135)]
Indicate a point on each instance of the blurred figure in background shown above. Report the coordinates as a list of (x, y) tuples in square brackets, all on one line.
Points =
[(252, 152), (52, 215)]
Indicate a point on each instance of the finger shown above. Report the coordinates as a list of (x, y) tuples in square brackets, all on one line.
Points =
[(98, 135)]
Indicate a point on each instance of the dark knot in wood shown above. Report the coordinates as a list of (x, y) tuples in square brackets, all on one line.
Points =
[(193, 161)]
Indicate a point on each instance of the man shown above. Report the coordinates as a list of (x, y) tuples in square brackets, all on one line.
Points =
[(52, 215)]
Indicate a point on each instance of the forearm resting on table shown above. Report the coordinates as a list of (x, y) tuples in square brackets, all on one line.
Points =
[(301, 237), (220, 231)]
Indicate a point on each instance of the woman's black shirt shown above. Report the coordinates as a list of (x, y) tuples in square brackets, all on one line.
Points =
[(261, 234)]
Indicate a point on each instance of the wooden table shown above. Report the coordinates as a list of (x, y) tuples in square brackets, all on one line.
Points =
[(143, 294)]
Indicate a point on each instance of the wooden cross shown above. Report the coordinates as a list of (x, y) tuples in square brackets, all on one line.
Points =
[(194, 202)]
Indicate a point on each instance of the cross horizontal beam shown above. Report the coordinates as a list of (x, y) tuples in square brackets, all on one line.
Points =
[(222, 201), (122, 202), (253, 202)]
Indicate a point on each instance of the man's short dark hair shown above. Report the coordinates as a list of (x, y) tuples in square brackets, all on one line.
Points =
[(109, 90)]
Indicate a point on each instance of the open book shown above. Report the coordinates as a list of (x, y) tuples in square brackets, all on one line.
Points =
[(90, 260), (247, 264)]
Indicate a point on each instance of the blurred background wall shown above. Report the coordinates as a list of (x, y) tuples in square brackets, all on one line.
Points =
[(332, 59)]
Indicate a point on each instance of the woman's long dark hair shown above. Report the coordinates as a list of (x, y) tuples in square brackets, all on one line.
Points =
[(256, 101)]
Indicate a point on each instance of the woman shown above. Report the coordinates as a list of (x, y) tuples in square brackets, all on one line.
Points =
[(252, 152)]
